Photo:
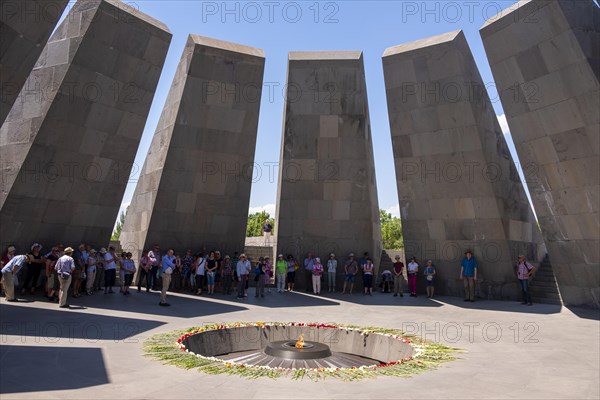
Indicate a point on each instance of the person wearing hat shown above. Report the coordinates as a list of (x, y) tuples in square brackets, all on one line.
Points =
[(243, 268), (350, 271), (34, 268), (468, 274), (99, 281), (227, 275), (9, 271), (398, 268), (65, 266), (281, 267), (331, 271)]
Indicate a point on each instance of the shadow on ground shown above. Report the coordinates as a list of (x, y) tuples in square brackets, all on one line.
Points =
[(62, 368), (147, 303), (41, 325)]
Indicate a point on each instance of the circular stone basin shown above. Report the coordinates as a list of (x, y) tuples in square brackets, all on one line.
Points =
[(288, 350), (274, 347)]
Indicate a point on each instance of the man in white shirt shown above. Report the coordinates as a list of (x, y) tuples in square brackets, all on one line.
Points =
[(64, 266), (243, 269)]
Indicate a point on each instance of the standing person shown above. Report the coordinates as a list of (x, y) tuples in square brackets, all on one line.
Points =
[(9, 271), (267, 229), (80, 257), (52, 281), (110, 270), (99, 283), (412, 271), (129, 271), (186, 270), (34, 268), (368, 277), (200, 270), (429, 272), (468, 274), (317, 273), (309, 261), (65, 266), (144, 272), (10, 252), (121, 263), (92, 263), (234, 261), (350, 271), (227, 275), (259, 277), (524, 271), (155, 262), (268, 274), (361, 265), (331, 271), (281, 267), (211, 272), (176, 275), (167, 267), (219, 261), (243, 269), (398, 276), (292, 267)]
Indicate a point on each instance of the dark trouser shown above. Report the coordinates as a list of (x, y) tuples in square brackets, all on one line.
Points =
[(227, 279), (309, 281), (260, 286), (109, 278), (525, 290), (199, 282), (144, 275), (242, 285), (153, 272), (176, 281), (33, 275)]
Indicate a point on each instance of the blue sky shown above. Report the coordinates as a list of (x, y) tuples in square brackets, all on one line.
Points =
[(282, 26)]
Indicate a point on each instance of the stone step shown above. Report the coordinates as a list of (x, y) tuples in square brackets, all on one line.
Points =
[(542, 300)]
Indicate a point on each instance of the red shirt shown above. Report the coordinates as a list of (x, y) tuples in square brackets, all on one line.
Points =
[(398, 267)]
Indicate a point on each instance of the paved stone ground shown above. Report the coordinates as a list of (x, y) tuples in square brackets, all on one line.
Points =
[(512, 351)]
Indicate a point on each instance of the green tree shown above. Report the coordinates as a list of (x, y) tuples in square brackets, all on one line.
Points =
[(255, 223), (119, 226), (391, 231)]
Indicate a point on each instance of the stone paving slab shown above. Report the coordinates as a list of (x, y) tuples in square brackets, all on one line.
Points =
[(512, 351)]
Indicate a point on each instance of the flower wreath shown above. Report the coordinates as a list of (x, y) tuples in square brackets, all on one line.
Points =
[(170, 349)]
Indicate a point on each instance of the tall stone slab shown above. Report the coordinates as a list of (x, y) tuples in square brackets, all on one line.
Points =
[(457, 185), (545, 57), (327, 195), (25, 26), (194, 189), (68, 144)]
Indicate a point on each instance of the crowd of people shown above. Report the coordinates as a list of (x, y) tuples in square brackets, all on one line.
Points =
[(87, 271)]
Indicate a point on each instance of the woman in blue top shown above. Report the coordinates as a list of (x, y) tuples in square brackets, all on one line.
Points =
[(429, 273)]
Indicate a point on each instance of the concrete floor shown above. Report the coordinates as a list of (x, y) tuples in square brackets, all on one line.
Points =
[(512, 351)]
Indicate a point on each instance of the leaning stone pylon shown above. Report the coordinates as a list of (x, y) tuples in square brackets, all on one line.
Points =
[(25, 26), (327, 196), (545, 57), (68, 144), (194, 189), (457, 185)]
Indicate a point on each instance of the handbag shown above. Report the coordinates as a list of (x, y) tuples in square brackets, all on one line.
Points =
[(169, 271)]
